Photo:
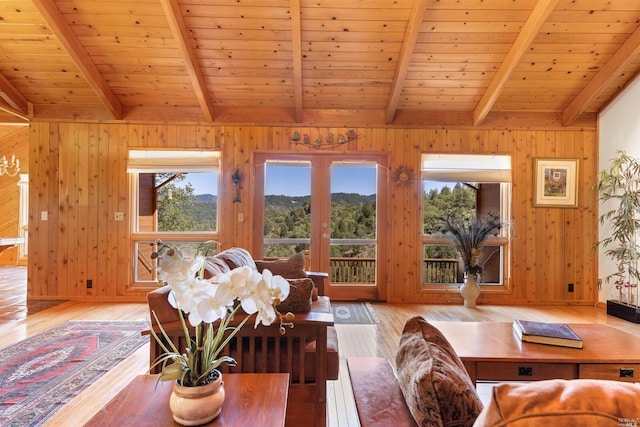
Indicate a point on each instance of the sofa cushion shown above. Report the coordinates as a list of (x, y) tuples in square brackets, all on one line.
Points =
[(435, 383), (289, 268), (333, 357), (584, 403), (299, 299)]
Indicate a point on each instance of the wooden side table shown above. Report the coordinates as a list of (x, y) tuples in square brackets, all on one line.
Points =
[(251, 399)]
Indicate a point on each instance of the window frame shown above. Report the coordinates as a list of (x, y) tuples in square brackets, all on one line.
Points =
[(502, 239), (146, 237)]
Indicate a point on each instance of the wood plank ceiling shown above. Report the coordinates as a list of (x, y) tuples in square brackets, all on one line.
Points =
[(373, 62)]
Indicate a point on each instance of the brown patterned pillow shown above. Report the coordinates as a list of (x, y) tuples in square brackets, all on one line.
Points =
[(289, 268), (433, 379), (299, 299)]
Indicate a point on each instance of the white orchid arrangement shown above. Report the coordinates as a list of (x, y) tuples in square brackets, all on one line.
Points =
[(210, 305)]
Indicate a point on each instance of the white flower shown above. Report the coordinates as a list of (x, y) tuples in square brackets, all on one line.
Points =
[(233, 284), (210, 300), (263, 290), (214, 304), (177, 266), (207, 301)]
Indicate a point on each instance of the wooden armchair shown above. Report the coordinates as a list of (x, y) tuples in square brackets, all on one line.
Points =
[(302, 352), (308, 351)]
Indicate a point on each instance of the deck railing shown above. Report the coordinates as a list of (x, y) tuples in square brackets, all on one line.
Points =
[(363, 270), (347, 270), (353, 270), (440, 271)]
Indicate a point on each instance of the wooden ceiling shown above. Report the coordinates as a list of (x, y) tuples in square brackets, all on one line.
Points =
[(338, 62)]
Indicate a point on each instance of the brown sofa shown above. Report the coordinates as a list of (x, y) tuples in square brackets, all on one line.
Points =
[(308, 351), (430, 387)]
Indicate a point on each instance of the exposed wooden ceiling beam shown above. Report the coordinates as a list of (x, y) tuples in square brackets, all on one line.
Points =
[(408, 44), (530, 30), (14, 98), (16, 113), (181, 34), (628, 52), (281, 117), (296, 44), (79, 55)]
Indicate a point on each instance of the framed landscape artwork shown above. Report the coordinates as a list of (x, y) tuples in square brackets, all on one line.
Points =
[(556, 183)]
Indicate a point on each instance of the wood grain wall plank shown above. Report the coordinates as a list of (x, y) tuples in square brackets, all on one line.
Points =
[(550, 248)]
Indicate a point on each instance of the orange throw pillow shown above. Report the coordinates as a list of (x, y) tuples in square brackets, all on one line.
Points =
[(584, 403)]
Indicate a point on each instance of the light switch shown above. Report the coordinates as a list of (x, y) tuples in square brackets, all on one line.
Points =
[(44, 215), (118, 216), (240, 217)]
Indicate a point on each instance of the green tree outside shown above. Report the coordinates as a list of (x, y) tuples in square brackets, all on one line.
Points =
[(179, 209)]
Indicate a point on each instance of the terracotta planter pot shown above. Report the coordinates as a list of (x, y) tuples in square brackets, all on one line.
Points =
[(194, 406)]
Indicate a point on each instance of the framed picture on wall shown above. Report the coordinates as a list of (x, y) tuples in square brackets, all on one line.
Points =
[(556, 183)]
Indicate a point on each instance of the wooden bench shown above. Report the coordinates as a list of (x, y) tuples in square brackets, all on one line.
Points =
[(379, 399)]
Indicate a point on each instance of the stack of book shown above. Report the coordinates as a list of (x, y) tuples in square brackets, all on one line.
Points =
[(546, 333)]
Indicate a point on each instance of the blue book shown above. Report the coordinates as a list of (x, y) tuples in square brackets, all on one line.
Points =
[(546, 333)]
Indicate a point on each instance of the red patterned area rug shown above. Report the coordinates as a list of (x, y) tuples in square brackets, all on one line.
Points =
[(39, 375)]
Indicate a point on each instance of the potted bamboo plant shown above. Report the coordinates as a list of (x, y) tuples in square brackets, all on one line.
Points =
[(618, 188)]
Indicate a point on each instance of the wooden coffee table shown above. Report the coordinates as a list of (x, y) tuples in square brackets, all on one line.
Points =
[(492, 352), (251, 400)]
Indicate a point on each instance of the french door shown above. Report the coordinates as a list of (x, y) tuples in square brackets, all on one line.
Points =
[(329, 207)]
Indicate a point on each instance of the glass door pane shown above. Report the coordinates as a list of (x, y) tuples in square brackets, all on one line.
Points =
[(287, 208), (353, 223), (324, 205)]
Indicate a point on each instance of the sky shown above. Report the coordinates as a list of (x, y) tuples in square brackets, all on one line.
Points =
[(296, 181), (203, 183)]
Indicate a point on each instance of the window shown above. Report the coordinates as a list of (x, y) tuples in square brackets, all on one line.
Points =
[(174, 199), (466, 186)]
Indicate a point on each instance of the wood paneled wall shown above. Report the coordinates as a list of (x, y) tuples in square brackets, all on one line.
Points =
[(13, 140), (79, 177)]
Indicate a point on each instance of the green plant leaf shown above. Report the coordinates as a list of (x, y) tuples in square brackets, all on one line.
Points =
[(172, 372)]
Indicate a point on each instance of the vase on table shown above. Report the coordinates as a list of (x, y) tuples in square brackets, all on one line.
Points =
[(194, 406), (470, 290)]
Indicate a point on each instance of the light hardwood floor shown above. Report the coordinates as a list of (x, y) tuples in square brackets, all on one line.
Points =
[(16, 323)]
